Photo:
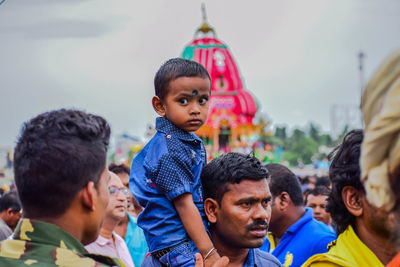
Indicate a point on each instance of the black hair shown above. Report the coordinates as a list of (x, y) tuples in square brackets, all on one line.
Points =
[(284, 180), (10, 200), (176, 68), (323, 181), (344, 171), (57, 154), (231, 168), (117, 169), (317, 191)]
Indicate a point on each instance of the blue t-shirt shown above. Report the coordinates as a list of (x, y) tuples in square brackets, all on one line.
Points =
[(167, 167), (136, 241), (303, 239)]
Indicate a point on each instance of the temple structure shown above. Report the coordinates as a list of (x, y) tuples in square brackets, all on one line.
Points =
[(232, 108)]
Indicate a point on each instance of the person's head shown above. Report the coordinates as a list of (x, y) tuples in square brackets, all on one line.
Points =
[(286, 193), (123, 173), (117, 205), (60, 160), (347, 202), (182, 92), (317, 199), (237, 200), (323, 181), (10, 209)]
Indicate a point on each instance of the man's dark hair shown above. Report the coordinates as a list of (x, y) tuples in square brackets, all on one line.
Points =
[(10, 200), (344, 171), (231, 168), (323, 181), (284, 180), (117, 169), (57, 154), (174, 69), (318, 191)]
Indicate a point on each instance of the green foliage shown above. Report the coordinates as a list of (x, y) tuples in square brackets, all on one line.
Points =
[(302, 146)]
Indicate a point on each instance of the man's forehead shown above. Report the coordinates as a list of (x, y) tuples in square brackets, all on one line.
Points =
[(249, 187), (320, 197), (115, 180)]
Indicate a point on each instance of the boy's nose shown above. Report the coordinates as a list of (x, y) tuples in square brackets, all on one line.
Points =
[(195, 109)]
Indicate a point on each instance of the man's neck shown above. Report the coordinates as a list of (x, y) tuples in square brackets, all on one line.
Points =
[(70, 224), (237, 256), (291, 217), (107, 228), (381, 246)]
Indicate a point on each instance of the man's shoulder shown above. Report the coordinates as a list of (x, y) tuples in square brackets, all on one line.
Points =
[(321, 237), (24, 253), (263, 258), (317, 230)]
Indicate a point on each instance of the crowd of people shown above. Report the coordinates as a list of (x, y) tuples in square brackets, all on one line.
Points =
[(172, 208)]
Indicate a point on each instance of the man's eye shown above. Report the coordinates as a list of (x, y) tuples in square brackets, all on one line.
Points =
[(265, 202), (183, 101), (203, 100), (246, 204)]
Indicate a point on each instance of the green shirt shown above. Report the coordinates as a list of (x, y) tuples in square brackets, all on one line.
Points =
[(36, 243)]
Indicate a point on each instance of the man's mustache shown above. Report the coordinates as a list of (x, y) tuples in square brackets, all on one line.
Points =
[(257, 224)]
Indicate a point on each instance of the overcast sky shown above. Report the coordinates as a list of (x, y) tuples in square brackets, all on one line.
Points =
[(299, 58)]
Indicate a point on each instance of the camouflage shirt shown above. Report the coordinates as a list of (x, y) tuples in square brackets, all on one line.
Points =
[(36, 243)]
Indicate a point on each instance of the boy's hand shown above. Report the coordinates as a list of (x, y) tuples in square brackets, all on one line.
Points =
[(213, 258), (221, 262)]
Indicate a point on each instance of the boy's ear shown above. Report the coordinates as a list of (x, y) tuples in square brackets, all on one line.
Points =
[(158, 106), (211, 208)]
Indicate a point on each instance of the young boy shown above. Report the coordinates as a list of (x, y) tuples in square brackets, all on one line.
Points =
[(165, 175)]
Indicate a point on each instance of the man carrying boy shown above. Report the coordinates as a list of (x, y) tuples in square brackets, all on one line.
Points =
[(165, 175), (238, 207)]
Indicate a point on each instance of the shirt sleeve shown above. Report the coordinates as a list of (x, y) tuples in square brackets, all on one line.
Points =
[(173, 175)]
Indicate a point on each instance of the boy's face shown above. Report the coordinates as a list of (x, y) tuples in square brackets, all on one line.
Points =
[(187, 101)]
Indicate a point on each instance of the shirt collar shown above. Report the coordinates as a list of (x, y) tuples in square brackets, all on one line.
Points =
[(308, 216), (165, 126), (102, 241), (46, 233), (250, 259)]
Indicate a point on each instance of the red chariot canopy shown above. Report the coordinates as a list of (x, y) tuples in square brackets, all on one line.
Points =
[(230, 102)]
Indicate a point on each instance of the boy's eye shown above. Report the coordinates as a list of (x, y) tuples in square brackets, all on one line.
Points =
[(203, 100), (183, 101)]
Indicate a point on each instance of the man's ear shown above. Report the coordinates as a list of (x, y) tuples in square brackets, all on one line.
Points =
[(158, 105), (352, 200), (89, 195), (211, 208), (283, 200), (9, 212)]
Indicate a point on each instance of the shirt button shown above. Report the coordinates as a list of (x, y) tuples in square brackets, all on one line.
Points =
[(169, 136)]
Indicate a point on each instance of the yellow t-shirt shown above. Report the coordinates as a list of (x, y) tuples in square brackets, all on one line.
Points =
[(348, 250)]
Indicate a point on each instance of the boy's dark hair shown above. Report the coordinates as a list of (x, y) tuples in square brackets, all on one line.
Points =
[(10, 200), (57, 154), (117, 169), (344, 171), (174, 69), (231, 168), (318, 191), (284, 180)]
